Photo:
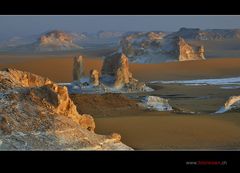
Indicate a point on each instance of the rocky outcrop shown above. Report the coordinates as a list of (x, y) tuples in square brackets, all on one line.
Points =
[(77, 67), (116, 70), (136, 44), (94, 77), (55, 41), (55, 35), (156, 103), (233, 103), (11, 78), (115, 77), (122, 73), (187, 53), (117, 65), (153, 47), (40, 116), (209, 34), (60, 103)]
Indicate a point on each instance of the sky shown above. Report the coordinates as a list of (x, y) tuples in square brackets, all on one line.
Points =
[(30, 25)]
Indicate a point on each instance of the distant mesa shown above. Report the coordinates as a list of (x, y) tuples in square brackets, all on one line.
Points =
[(139, 47), (55, 35), (208, 34), (156, 47), (55, 41)]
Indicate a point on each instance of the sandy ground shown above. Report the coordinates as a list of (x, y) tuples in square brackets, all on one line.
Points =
[(169, 132), (143, 129), (151, 130)]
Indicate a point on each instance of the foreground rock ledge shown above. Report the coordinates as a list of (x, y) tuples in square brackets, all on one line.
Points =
[(37, 114)]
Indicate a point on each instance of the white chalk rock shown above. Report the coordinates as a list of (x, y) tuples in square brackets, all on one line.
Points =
[(232, 103), (156, 103)]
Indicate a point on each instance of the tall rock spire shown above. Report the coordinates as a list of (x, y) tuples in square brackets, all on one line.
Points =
[(77, 67)]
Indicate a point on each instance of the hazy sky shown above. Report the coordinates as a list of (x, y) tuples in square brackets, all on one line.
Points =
[(28, 25)]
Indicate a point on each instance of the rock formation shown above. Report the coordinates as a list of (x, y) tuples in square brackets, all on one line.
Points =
[(155, 47), (77, 67), (37, 114), (122, 73), (156, 103), (115, 70), (209, 34), (231, 104), (94, 77), (11, 78), (186, 52), (55, 41)]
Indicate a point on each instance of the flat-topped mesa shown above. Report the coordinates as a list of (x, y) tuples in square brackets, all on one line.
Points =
[(186, 52), (94, 77), (77, 67)]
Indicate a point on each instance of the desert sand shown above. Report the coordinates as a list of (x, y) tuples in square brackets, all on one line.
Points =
[(170, 132)]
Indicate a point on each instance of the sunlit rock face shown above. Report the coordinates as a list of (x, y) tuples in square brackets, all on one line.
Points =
[(187, 53), (117, 66), (37, 114), (233, 103), (55, 35), (116, 70), (77, 67), (156, 47), (122, 75), (94, 77), (55, 41), (11, 78)]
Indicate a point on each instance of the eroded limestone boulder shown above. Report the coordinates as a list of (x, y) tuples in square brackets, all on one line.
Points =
[(233, 103)]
